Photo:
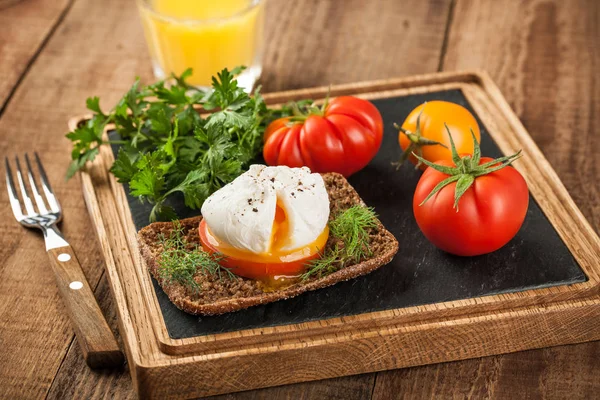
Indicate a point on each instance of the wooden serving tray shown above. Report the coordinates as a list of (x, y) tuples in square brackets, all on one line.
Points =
[(477, 313)]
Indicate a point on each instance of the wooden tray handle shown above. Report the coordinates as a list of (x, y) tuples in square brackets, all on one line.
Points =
[(99, 346)]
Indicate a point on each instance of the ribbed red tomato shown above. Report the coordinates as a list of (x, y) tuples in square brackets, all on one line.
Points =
[(343, 137)]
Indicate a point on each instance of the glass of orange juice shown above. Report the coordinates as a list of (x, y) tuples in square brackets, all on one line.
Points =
[(206, 35)]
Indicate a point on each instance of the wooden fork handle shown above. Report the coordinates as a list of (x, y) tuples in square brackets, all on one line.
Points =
[(99, 346)]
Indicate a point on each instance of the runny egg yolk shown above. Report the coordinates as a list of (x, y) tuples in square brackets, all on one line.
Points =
[(275, 262), (280, 235)]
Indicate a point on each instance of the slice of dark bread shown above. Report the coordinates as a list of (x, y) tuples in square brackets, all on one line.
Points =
[(219, 296)]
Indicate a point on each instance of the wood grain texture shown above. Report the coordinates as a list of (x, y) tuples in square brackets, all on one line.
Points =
[(23, 29), (544, 56), (75, 380), (369, 342), (103, 58), (565, 372), (544, 185), (358, 387), (98, 345), (80, 59), (106, 57), (316, 42)]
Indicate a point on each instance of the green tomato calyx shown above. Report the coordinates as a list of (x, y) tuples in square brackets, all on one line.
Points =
[(466, 168), (299, 116), (417, 141)]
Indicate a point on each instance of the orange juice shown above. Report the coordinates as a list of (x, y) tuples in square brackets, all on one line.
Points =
[(206, 35)]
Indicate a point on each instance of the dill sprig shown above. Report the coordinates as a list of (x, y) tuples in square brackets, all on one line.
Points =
[(180, 261), (351, 227), (325, 264)]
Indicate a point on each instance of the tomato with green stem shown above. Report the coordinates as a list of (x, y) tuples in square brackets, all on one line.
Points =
[(471, 205), (342, 136), (423, 132)]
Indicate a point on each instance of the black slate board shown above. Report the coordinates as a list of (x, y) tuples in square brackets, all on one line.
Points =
[(420, 273)]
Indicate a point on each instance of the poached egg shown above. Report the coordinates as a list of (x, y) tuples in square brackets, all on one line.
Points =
[(268, 212)]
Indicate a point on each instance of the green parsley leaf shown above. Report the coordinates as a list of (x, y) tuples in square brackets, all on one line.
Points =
[(81, 160), (194, 188), (148, 180), (124, 168), (168, 147), (131, 99), (162, 212), (159, 118), (93, 104)]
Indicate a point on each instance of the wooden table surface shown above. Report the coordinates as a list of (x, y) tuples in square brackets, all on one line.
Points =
[(544, 55)]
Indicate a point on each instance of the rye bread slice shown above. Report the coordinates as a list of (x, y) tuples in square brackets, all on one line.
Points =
[(227, 295)]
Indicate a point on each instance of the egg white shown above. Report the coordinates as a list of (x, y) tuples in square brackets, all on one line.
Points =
[(241, 213)]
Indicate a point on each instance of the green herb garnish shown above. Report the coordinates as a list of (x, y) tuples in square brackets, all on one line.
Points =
[(168, 147), (351, 228), (180, 261)]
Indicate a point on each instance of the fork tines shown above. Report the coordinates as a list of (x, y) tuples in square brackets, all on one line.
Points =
[(46, 203)]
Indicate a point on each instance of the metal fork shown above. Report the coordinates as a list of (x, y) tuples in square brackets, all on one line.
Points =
[(99, 346)]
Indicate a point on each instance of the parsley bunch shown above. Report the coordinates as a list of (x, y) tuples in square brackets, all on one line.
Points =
[(166, 146)]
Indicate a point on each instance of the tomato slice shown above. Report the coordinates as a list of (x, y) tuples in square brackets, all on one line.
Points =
[(262, 266)]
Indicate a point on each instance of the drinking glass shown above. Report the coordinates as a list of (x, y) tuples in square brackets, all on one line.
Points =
[(206, 35)]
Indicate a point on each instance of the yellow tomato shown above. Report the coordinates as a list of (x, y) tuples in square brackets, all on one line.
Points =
[(430, 140)]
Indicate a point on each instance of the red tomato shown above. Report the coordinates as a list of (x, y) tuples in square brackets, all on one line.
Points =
[(489, 213), (343, 138), (253, 268)]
